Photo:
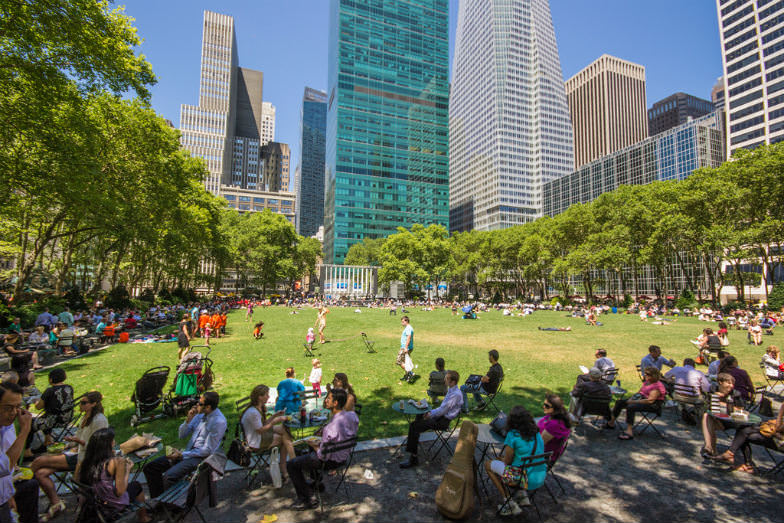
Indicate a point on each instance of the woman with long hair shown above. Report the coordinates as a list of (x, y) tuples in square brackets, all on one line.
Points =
[(522, 440), (108, 475), (43, 466), (262, 432), (340, 381), (555, 426)]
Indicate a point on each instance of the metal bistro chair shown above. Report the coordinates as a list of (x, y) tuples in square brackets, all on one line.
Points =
[(609, 375), (648, 417), (368, 343), (772, 382), (688, 397), (640, 373), (490, 398), (91, 510), (258, 459), (513, 488), (443, 436), (186, 495), (342, 469), (309, 349)]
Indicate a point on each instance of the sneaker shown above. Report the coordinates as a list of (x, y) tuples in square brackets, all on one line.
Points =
[(523, 500), (509, 509)]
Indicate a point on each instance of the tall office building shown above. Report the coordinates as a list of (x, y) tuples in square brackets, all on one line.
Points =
[(387, 120), (310, 171), (276, 169), (508, 116), (717, 93), (267, 123), (752, 52), (675, 110), (608, 108)]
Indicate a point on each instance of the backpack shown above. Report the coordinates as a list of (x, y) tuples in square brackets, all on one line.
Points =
[(455, 494)]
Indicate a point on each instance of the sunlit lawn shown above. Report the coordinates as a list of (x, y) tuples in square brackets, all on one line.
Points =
[(534, 361)]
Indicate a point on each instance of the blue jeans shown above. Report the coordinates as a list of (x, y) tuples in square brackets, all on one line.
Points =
[(478, 391)]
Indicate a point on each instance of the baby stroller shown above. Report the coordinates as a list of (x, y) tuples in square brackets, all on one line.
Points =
[(194, 376), (468, 312), (148, 394)]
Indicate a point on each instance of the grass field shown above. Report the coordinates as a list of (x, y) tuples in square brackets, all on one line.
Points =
[(534, 361)]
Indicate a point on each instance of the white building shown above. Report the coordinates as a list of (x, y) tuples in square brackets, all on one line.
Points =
[(508, 117), (752, 52), (267, 123)]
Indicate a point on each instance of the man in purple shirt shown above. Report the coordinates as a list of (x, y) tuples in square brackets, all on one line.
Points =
[(343, 426)]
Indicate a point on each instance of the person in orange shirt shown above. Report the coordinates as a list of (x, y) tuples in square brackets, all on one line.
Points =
[(215, 321), (223, 323), (204, 319)]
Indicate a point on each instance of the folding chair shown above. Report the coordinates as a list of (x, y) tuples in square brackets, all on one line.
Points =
[(551, 474), (648, 417), (490, 398), (91, 510), (771, 381), (342, 469), (595, 405), (368, 343), (59, 432), (513, 488), (258, 459), (640, 373), (442, 437), (309, 350), (778, 466), (185, 495), (688, 397), (609, 375)]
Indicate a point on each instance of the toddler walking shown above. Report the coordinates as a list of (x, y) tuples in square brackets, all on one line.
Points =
[(257, 330), (310, 338), (315, 375)]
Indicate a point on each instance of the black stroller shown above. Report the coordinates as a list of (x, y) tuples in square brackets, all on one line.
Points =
[(148, 394), (194, 376)]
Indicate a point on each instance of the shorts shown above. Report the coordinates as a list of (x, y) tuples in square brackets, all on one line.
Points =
[(182, 342), (266, 439), (401, 356), (508, 473), (72, 460)]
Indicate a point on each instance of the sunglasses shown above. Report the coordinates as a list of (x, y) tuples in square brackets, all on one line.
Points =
[(547, 406)]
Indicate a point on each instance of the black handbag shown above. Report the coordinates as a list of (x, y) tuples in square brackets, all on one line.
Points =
[(498, 425), (239, 453), (474, 379)]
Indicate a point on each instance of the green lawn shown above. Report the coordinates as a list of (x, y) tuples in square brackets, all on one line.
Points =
[(534, 362)]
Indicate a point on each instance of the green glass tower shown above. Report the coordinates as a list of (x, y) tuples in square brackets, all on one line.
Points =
[(387, 120)]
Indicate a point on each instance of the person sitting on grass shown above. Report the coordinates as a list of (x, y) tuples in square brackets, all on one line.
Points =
[(288, 389), (438, 418), (557, 329), (725, 394), (262, 432), (488, 384), (342, 426), (257, 334), (745, 436), (437, 387), (649, 399), (654, 358), (590, 384), (108, 476), (755, 332), (44, 466), (522, 440)]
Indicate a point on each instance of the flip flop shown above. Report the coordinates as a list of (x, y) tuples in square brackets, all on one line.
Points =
[(624, 436)]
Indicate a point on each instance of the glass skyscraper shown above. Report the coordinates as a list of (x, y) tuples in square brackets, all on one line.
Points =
[(508, 117), (310, 177), (387, 120), (671, 155)]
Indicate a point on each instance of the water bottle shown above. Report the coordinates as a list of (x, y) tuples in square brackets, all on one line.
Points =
[(618, 383), (303, 417), (730, 404)]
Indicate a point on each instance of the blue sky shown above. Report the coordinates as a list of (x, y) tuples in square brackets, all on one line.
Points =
[(676, 40)]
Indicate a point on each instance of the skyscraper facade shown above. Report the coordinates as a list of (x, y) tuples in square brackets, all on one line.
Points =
[(508, 116), (267, 123), (671, 155), (608, 108), (387, 120), (276, 170), (675, 110), (752, 52), (310, 171)]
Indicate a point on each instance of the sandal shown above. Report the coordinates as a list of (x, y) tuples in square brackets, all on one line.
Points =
[(53, 511), (625, 436)]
